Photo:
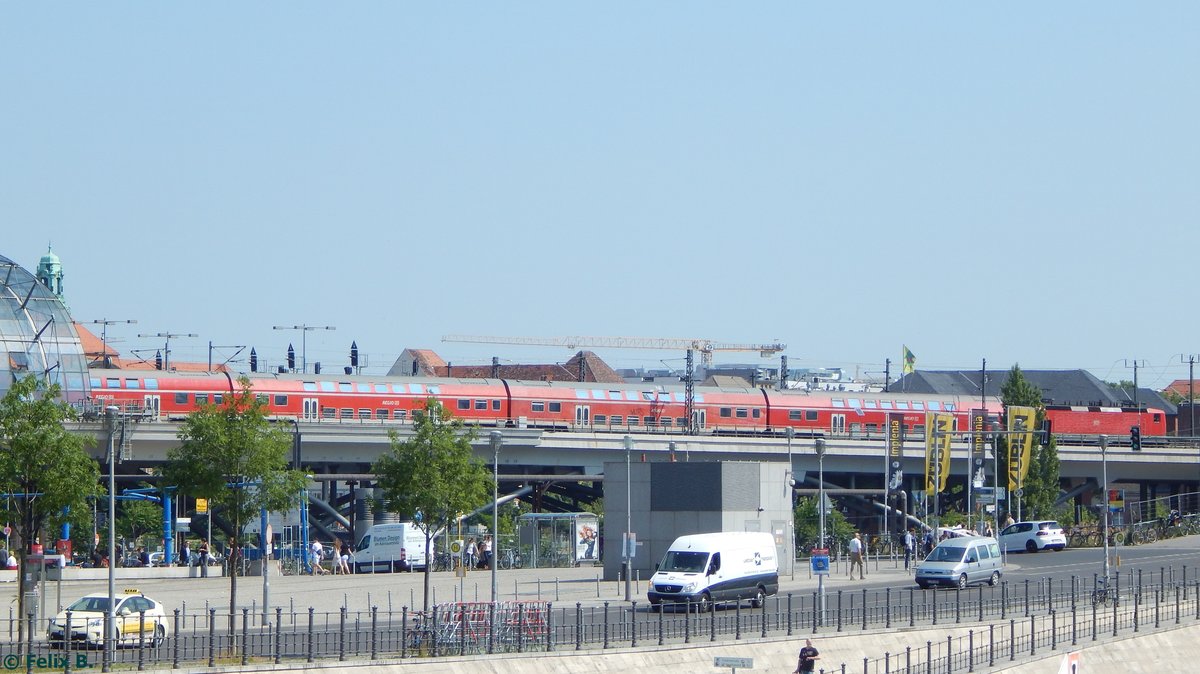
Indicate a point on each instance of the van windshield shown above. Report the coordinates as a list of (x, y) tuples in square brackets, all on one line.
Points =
[(946, 553), (684, 562), (365, 542)]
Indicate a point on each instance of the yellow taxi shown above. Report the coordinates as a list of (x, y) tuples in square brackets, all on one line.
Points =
[(87, 620)]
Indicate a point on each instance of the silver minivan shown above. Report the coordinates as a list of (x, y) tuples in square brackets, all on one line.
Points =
[(959, 562)]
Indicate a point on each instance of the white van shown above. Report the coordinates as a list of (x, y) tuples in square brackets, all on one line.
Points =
[(959, 562), (391, 547), (707, 568)]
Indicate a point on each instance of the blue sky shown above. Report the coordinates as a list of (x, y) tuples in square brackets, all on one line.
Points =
[(1010, 182)]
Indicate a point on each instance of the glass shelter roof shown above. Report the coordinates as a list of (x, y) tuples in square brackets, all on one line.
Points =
[(37, 335)]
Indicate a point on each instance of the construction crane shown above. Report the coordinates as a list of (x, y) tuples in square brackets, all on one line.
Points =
[(706, 347)]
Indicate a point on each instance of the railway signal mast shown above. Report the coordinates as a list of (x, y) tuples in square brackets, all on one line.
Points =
[(706, 347)]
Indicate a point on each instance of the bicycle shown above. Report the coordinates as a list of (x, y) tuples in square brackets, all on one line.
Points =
[(1103, 595), (511, 559)]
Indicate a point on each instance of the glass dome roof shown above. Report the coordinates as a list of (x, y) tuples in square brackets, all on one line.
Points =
[(37, 335)]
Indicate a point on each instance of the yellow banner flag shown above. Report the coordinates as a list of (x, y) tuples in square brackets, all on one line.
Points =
[(1020, 443), (938, 435)]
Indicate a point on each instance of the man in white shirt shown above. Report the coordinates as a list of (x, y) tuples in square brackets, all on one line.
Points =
[(910, 546), (856, 556), (317, 548)]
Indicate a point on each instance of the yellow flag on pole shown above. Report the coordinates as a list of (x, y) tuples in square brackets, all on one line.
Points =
[(938, 430), (909, 360), (1020, 443)]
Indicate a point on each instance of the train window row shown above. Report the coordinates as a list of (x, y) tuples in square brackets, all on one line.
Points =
[(618, 420), (350, 387), (634, 396), (363, 413), (479, 404), (914, 405), (149, 383), (805, 415), (541, 406), (739, 413)]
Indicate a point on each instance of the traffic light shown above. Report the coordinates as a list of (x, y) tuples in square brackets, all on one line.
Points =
[(291, 357), (1135, 438), (1046, 433), (353, 354), (253, 360)]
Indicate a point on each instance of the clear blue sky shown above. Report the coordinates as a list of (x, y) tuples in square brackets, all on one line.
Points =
[(1000, 181)]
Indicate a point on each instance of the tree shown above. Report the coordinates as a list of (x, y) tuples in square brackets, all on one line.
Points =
[(231, 455), (1040, 487), (138, 519), (433, 476), (808, 523), (42, 465)]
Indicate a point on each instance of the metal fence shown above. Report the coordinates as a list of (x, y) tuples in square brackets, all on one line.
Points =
[(1010, 620)]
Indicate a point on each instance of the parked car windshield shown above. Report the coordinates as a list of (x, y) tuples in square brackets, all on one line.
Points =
[(685, 562), (96, 604), (946, 553)]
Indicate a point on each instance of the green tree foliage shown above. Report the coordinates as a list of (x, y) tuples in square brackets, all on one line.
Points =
[(808, 524), (137, 519), (231, 455), (1041, 484), (432, 476), (43, 465)]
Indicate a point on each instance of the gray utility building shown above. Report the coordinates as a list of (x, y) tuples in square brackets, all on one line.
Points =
[(671, 499)]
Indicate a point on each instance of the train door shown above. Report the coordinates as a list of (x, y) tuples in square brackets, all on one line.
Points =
[(312, 410), (151, 405), (700, 418), (837, 424), (583, 415)]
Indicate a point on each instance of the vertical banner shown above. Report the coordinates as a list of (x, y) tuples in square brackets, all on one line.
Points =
[(895, 451), (1020, 443), (938, 429), (978, 447)]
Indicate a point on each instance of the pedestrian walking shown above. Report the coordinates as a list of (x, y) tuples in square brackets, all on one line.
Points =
[(487, 552), (807, 662), (910, 546), (472, 551), (317, 549), (856, 556), (344, 559), (203, 559)]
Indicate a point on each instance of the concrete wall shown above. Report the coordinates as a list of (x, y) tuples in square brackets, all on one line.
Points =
[(672, 499)]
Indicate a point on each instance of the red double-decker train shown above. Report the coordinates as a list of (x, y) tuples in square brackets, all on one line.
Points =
[(584, 406)]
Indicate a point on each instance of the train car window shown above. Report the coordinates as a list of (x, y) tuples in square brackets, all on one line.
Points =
[(599, 419), (918, 429), (381, 413), (464, 404), (854, 404), (725, 412), (885, 404), (400, 415), (555, 407), (364, 388), (435, 390), (665, 421), (201, 398), (950, 407), (648, 422), (347, 413), (681, 421), (364, 414), (328, 413), (181, 398), (614, 395), (871, 428), (795, 415), (918, 406), (934, 406), (218, 398), (1154, 417), (496, 405), (95, 382), (260, 397), (632, 396), (838, 402), (345, 387), (699, 398), (648, 396), (399, 388), (756, 413), (632, 421), (310, 386), (280, 400), (538, 406), (113, 382), (328, 387), (150, 383), (901, 405), (810, 415), (871, 404), (481, 404), (741, 413), (381, 388), (418, 389)]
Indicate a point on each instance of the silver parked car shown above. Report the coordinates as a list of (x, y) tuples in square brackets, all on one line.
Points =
[(959, 562)]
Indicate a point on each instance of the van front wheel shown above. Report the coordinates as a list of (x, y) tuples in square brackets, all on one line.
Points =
[(760, 597), (962, 582), (994, 579), (704, 604)]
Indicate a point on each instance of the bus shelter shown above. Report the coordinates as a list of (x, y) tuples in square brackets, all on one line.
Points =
[(551, 540)]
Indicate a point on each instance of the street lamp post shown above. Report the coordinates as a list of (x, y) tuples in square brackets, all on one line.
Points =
[(820, 447), (304, 329), (110, 615), (1104, 488), (627, 561), (495, 438), (789, 482)]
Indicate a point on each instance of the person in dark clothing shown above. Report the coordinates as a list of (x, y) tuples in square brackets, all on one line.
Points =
[(807, 661)]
